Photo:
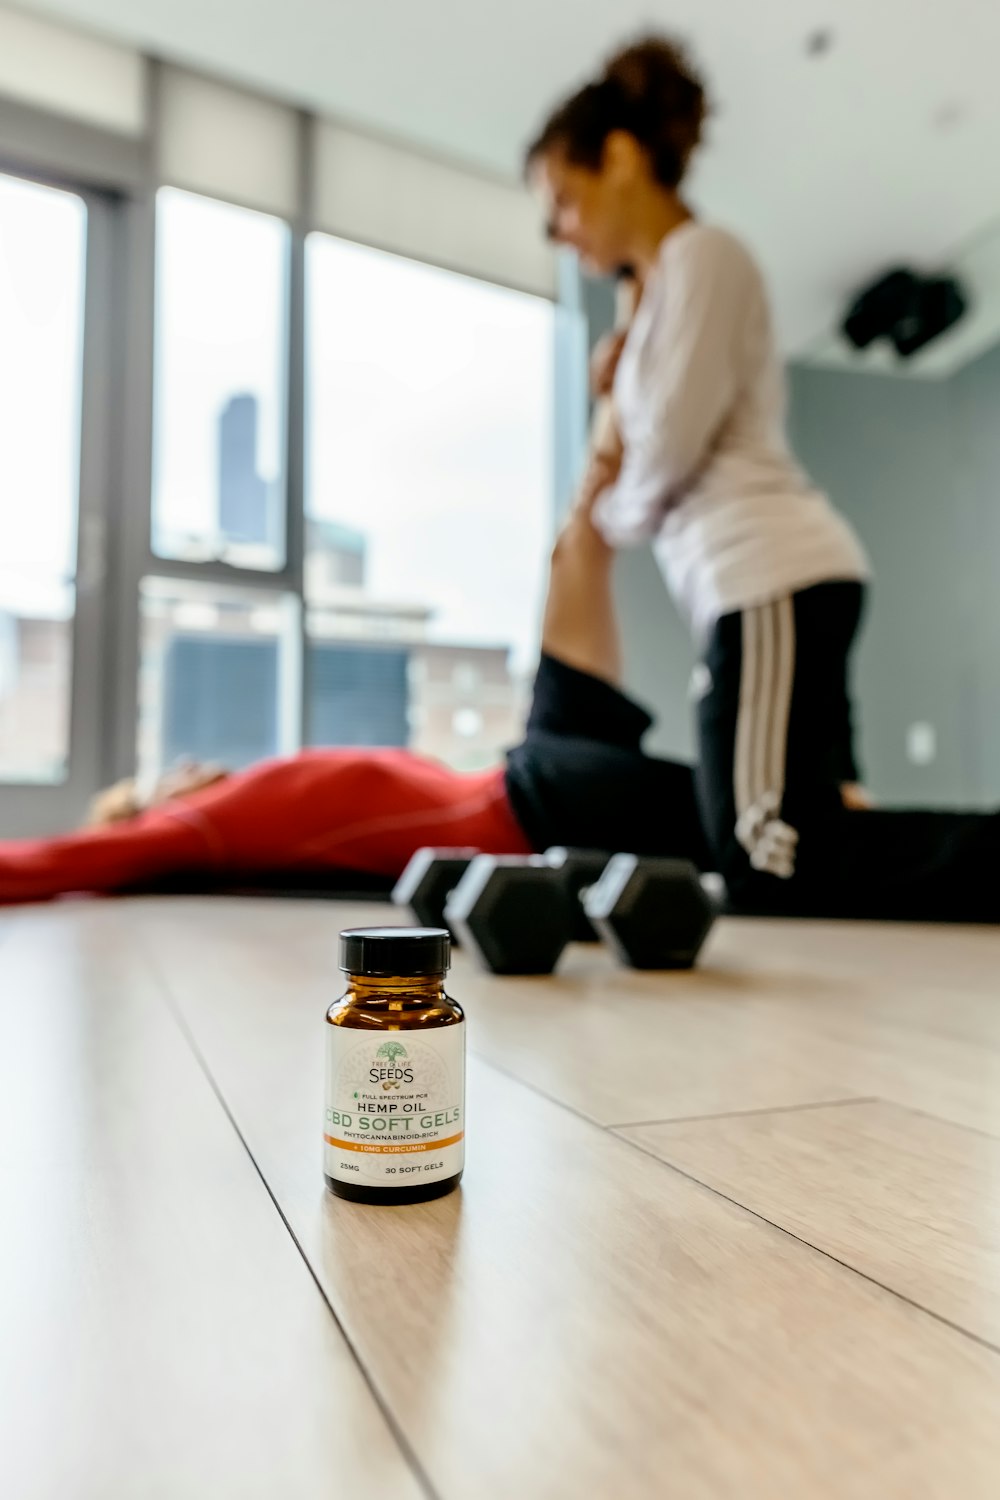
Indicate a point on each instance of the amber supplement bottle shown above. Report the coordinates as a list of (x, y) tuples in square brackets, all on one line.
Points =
[(395, 1070)]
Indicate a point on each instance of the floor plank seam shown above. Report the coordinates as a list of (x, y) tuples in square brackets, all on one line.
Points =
[(761, 1218), (488, 1062), (402, 1441), (739, 1114), (977, 1338)]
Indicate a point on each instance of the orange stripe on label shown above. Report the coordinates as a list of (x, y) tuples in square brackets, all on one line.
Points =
[(393, 1148)]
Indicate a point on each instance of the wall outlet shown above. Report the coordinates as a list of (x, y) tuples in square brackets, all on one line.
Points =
[(921, 744)]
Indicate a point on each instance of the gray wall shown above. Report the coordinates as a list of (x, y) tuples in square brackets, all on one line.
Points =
[(977, 448), (915, 464), (658, 653)]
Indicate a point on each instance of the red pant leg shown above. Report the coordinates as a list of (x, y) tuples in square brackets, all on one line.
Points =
[(101, 859)]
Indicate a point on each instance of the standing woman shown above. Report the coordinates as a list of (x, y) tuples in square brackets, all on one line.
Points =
[(769, 576)]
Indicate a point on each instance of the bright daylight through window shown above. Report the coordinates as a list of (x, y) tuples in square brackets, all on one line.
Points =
[(428, 502), (429, 429), (218, 421), (42, 265)]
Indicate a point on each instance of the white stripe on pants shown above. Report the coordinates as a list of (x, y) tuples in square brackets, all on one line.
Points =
[(767, 677)]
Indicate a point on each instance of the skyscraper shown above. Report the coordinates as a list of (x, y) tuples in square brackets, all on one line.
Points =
[(243, 494)]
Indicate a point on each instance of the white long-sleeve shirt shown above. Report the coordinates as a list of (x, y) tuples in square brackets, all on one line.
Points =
[(707, 474)]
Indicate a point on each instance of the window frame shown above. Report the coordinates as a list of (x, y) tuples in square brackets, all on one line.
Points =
[(27, 806), (121, 177)]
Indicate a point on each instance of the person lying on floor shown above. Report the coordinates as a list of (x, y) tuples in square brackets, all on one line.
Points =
[(579, 777)]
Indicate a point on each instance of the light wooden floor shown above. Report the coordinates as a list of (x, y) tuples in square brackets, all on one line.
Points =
[(733, 1233)]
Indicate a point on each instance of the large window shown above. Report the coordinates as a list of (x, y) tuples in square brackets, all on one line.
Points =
[(43, 236), (221, 314), (428, 501), (260, 488)]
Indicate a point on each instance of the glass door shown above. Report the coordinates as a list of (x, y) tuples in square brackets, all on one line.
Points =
[(54, 263)]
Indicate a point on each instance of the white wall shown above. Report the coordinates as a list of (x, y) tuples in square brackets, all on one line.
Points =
[(70, 74)]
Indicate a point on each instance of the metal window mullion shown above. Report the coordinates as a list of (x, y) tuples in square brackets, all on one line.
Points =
[(90, 573), (131, 396), (295, 402)]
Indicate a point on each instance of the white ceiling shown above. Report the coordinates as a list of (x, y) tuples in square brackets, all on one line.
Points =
[(885, 147)]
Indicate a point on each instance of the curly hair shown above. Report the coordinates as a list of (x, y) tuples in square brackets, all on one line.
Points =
[(649, 89)]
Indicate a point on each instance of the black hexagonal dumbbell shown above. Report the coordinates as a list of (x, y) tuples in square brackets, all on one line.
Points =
[(428, 881), (654, 913), (513, 913), (516, 914), (580, 869)]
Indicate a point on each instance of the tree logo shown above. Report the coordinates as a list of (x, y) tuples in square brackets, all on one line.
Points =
[(390, 1051)]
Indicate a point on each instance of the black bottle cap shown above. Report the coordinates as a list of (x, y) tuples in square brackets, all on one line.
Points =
[(388, 952)]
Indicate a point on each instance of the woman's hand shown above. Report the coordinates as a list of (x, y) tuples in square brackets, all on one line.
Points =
[(604, 362)]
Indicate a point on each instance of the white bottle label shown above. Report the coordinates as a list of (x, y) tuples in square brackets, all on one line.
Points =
[(395, 1106)]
